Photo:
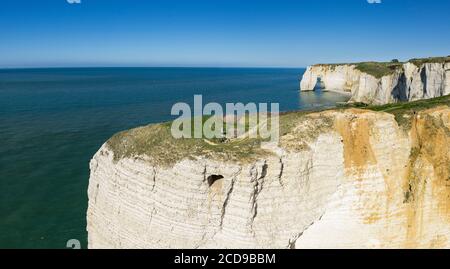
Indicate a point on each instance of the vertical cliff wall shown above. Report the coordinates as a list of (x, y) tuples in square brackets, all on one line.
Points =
[(382, 83), (338, 179)]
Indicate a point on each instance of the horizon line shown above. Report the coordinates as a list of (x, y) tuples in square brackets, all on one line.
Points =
[(192, 67)]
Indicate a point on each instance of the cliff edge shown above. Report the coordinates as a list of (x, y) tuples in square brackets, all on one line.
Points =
[(377, 177), (383, 83)]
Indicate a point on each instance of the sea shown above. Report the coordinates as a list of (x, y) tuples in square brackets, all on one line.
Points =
[(52, 121)]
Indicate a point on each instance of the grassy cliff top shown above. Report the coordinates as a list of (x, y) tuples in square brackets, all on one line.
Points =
[(404, 111), (381, 69), (157, 144), (419, 62)]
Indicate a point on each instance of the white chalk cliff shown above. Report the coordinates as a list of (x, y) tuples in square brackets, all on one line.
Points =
[(345, 178), (406, 82)]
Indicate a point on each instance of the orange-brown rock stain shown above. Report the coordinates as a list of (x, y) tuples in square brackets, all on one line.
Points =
[(355, 132), (427, 170), (354, 129), (428, 167)]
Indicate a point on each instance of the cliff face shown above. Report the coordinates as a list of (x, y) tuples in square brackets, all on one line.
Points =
[(338, 179), (404, 82)]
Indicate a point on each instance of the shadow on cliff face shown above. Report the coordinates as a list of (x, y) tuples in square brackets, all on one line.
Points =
[(400, 90), (423, 77)]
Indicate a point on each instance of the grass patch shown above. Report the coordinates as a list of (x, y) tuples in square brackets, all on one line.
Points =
[(419, 62), (376, 69), (381, 69), (299, 129), (404, 111), (157, 144)]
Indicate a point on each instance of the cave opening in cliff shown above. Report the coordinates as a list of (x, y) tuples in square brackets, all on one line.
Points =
[(320, 85), (213, 178)]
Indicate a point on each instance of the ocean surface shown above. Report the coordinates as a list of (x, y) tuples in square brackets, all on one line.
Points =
[(52, 121)]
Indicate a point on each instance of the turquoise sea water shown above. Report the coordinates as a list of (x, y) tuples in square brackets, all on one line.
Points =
[(52, 121)]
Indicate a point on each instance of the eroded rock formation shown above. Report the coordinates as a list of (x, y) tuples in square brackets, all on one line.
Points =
[(405, 82)]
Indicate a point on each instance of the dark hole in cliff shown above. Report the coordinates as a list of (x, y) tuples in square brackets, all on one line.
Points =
[(213, 178), (320, 85)]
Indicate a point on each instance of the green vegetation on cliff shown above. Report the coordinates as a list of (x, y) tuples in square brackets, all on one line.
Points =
[(404, 111), (381, 69), (156, 143), (419, 62)]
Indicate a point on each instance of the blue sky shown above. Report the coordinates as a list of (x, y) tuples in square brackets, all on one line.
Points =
[(258, 33)]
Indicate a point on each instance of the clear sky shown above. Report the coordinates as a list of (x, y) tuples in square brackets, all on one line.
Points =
[(237, 33)]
